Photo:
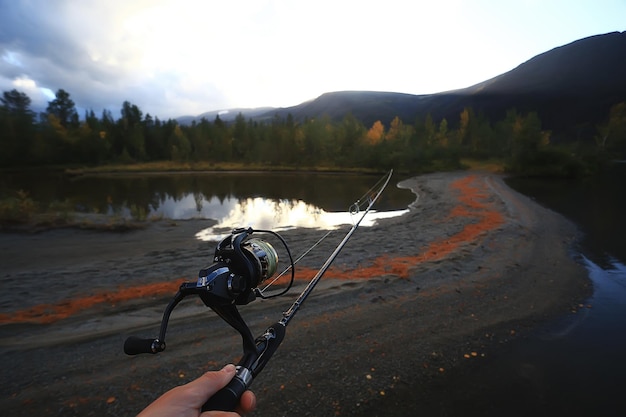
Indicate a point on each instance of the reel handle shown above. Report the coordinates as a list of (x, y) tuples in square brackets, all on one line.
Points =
[(135, 346)]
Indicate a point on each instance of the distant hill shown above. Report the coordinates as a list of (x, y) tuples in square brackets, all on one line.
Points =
[(572, 88), (227, 115)]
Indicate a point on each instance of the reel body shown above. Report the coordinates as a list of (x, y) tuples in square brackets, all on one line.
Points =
[(239, 267)]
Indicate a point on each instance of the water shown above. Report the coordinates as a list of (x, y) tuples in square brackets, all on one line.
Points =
[(574, 366), (596, 205), (571, 367), (262, 200)]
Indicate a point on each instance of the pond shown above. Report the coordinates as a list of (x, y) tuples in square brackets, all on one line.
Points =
[(261, 200)]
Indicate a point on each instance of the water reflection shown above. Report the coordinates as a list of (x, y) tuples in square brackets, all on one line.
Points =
[(260, 200), (277, 215), (192, 207)]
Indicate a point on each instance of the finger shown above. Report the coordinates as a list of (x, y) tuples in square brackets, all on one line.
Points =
[(247, 403), (201, 389)]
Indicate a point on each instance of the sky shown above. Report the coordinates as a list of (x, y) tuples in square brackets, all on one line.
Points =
[(185, 57)]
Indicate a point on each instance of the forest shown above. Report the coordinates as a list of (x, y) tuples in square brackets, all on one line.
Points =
[(59, 137)]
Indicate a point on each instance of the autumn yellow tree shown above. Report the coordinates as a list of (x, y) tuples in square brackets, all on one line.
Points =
[(375, 133)]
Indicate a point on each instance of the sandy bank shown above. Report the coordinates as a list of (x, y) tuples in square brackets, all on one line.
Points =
[(470, 267)]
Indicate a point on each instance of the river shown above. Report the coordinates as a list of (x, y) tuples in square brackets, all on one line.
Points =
[(575, 365)]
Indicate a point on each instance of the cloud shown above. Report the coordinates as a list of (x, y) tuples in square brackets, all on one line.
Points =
[(92, 50), (185, 57)]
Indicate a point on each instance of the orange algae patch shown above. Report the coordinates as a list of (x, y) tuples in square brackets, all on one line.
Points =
[(471, 198), (49, 313), (472, 204)]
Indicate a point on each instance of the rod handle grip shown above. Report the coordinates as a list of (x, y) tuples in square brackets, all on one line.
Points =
[(227, 398)]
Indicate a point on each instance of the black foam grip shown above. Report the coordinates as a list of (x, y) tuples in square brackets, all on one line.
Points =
[(227, 398), (135, 345)]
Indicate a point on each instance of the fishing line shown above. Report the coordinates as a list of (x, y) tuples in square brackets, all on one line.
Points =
[(241, 264), (298, 259)]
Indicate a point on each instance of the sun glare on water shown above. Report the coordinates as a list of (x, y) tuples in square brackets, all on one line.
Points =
[(277, 215)]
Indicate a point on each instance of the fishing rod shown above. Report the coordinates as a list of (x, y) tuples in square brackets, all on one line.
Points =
[(241, 264)]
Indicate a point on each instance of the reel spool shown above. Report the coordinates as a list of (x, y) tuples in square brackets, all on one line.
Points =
[(265, 257)]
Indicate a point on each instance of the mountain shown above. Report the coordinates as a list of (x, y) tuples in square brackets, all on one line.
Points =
[(571, 87), (226, 115)]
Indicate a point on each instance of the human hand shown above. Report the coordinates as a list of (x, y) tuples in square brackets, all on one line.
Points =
[(187, 400)]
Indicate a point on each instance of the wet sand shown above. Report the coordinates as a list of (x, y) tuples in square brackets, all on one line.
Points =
[(471, 268)]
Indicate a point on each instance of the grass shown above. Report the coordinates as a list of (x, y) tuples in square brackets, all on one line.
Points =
[(495, 166), (21, 213), (170, 166)]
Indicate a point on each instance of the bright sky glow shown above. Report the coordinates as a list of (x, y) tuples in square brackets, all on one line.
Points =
[(186, 57)]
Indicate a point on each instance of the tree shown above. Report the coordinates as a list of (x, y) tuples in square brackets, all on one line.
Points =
[(222, 141), (155, 139), (62, 107), (198, 139), (131, 129), (92, 146), (526, 141), (612, 134), (350, 133), (463, 130), (16, 103), (180, 146), (16, 127), (314, 140), (475, 136), (396, 130), (442, 133), (376, 132), (131, 115), (430, 130), (242, 139)]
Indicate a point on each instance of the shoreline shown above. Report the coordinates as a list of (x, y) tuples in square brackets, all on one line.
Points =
[(471, 267)]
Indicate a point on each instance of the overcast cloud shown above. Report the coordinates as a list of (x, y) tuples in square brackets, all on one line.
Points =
[(181, 57)]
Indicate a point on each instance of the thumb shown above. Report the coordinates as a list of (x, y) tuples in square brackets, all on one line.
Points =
[(202, 388)]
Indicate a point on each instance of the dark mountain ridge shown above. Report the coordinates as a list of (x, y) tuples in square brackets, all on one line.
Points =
[(571, 87)]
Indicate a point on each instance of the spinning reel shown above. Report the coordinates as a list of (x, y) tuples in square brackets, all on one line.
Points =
[(241, 265)]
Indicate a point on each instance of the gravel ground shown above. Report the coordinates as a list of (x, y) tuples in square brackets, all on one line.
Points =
[(409, 309)]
